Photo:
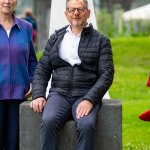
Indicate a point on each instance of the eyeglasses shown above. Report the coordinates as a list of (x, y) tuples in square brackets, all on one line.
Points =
[(72, 10)]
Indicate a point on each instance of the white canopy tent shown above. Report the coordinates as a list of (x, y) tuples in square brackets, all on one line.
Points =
[(140, 13)]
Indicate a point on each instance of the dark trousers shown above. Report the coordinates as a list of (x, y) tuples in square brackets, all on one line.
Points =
[(57, 111), (9, 124)]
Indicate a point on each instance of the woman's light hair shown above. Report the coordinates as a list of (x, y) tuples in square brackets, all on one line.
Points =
[(85, 2)]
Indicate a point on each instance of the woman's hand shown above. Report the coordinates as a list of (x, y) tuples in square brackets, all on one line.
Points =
[(29, 93)]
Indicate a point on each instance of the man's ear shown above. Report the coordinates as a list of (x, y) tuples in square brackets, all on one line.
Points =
[(89, 13), (66, 14)]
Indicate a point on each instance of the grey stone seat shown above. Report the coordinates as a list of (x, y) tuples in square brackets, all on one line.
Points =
[(108, 128)]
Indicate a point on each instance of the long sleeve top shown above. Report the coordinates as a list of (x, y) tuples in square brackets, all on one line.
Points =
[(17, 60)]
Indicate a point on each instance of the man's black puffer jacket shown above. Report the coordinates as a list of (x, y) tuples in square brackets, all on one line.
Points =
[(90, 80)]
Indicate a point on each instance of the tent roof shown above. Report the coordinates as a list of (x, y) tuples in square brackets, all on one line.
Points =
[(140, 13)]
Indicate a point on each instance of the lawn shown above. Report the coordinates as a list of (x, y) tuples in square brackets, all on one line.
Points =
[(132, 67)]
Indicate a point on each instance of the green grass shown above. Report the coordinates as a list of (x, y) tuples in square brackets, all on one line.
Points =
[(38, 54), (135, 132), (132, 67)]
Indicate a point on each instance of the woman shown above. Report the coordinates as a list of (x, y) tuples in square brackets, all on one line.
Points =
[(17, 64)]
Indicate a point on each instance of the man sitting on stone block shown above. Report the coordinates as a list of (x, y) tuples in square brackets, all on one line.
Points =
[(78, 59)]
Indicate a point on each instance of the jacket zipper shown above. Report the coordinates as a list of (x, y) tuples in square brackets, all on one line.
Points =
[(71, 82)]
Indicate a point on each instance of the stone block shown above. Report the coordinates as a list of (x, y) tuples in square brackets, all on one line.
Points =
[(108, 128)]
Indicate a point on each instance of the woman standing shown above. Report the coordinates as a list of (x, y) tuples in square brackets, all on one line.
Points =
[(17, 64)]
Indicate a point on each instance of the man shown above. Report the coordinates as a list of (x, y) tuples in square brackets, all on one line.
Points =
[(79, 60)]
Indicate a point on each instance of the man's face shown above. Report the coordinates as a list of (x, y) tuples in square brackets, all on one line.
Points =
[(77, 13), (7, 6)]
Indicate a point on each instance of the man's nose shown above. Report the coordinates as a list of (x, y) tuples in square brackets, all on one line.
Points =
[(76, 11)]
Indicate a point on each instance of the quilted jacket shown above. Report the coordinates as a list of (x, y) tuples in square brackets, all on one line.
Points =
[(90, 80)]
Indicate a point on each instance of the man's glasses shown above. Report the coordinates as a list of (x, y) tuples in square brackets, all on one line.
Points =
[(72, 10)]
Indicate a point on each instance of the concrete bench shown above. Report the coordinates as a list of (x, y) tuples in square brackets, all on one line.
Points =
[(108, 133)]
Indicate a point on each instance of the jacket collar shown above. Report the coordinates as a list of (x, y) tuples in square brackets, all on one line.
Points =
[(16, 22)]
